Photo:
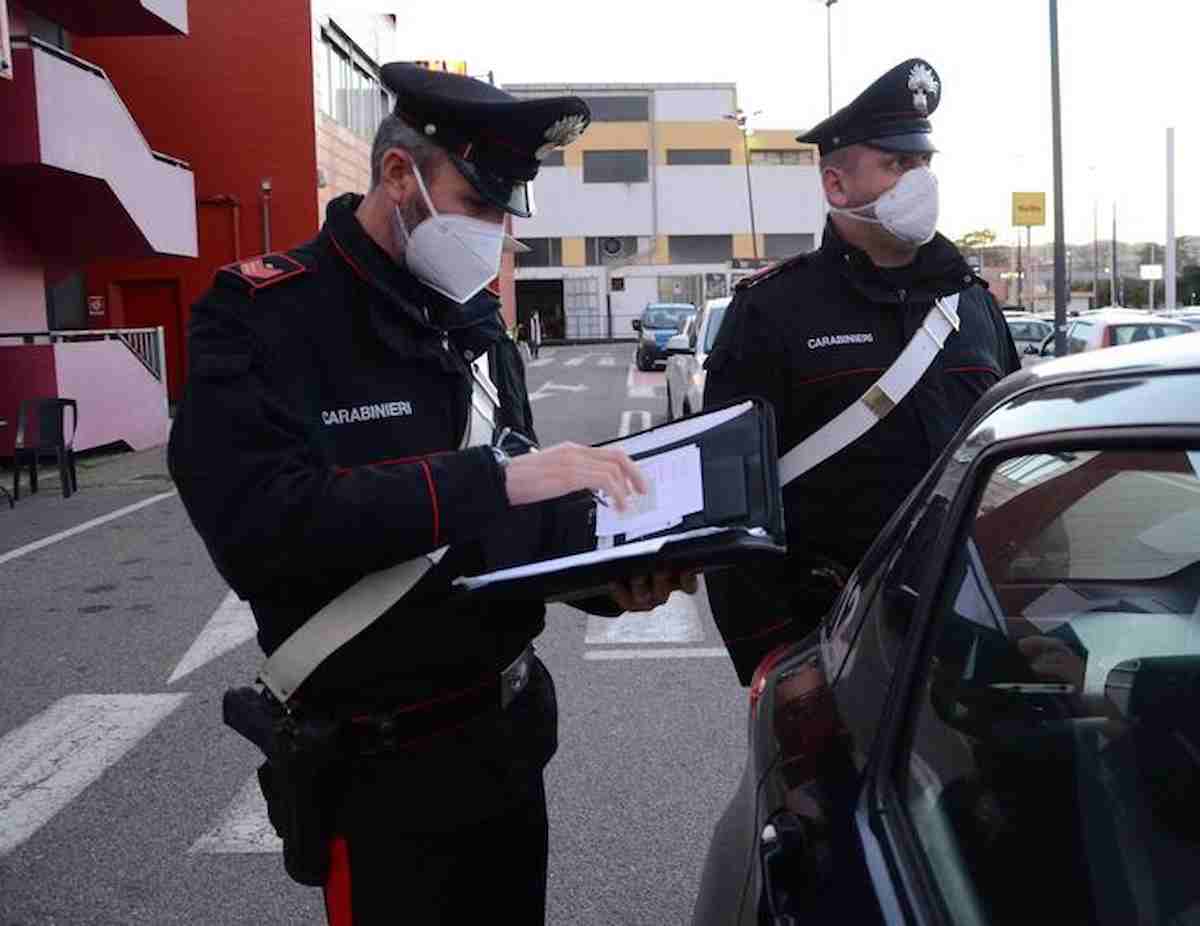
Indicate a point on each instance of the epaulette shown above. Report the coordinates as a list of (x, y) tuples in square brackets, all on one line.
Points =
[(767, 272), (257, 273)]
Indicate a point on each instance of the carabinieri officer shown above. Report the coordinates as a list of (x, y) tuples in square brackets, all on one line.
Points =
[(321, 439)]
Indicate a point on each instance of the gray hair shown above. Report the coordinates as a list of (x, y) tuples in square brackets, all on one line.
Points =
[(394, 133)]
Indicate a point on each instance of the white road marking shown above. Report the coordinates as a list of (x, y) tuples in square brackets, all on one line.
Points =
[(627, 425), (244, 827), (231, 625), (51, 759), (86, 525), (540, 362), (643, 385), (578, 361), (695, 652), (674, 622), (607, 361), (550, 388)]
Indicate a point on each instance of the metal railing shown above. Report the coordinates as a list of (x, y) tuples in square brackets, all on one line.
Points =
[(147, 344)]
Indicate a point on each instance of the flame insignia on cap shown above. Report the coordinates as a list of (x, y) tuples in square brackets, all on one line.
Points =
[(921, 81), (560, 134)]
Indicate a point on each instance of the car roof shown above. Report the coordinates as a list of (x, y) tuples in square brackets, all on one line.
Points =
[(1125, 315), (1178, 354)]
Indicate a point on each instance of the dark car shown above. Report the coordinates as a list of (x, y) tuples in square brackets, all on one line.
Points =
[(660, 321), (999, 720)]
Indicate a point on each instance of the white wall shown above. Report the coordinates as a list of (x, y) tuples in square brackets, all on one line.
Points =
[(703, 200), (788, 200), (568, 207), (700, 105), (628, 305)]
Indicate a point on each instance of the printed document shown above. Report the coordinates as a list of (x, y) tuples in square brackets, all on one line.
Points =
[(675, 490)]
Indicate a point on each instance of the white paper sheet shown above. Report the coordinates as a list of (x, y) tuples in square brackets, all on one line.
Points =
[(679, 430), (676, 490)]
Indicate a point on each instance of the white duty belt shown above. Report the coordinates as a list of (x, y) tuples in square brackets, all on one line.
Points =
[(370, 597), (878, 401)]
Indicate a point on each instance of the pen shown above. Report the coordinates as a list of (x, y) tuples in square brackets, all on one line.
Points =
[(531, 447)]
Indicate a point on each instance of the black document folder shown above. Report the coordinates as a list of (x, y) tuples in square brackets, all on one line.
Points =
[(741, 518)]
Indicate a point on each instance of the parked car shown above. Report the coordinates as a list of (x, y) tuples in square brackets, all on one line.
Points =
[(660, 321), (1186, 318), (1028, 332), (687, 352), (999, 720), (1113, 327)]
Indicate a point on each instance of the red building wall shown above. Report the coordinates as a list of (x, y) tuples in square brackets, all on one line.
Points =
[(27, 370), (234, 98)]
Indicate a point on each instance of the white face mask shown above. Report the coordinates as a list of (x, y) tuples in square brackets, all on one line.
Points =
[(454, 254), (908, 211)]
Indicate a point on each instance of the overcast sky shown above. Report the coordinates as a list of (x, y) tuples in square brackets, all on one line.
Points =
[(1129, 70)]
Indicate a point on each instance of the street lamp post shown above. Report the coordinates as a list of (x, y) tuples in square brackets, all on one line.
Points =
[(742, 120), (829, 46)]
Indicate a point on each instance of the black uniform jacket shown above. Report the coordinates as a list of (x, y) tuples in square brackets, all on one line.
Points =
[(811, 335), (318, 441)]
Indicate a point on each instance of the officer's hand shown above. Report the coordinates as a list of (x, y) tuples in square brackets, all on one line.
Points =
[(566, 468), (647, 592)]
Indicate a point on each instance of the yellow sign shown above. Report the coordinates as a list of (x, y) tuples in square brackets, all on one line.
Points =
[(1029, 209)]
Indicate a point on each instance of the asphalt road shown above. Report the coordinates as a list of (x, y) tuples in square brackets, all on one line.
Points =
[(123, 800)]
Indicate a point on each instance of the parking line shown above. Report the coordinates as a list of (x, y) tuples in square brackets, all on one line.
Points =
[(627, 425), (231, 625), (695, 652), (49, 761), (80, 528), (244, 827)]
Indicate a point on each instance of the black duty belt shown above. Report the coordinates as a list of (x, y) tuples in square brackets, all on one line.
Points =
[(382, 732)]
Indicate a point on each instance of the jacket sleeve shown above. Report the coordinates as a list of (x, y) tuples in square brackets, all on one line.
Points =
[(262, 498), (1006, 349)]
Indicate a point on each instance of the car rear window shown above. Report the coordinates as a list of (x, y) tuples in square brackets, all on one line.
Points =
[(1130, 334), (663, 316)]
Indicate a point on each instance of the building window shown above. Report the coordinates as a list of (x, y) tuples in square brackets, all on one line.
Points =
[(615, 167), (778, 247), (682, 156), (700, 249), (543, 252), (351, 92), (785, 156), (553, 159), (619, 108)]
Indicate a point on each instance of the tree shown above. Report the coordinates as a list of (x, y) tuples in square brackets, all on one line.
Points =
[(977, 239)]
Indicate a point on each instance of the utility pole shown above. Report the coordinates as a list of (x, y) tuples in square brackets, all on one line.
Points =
[(1169, 261), (1095, 254), (1112, 295), (1060, 269)]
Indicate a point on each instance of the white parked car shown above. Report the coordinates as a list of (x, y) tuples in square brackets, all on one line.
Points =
[(1112, 327), (686, 353)]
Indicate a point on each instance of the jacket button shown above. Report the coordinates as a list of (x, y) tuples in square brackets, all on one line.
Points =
[(469, 354), (967, 278)]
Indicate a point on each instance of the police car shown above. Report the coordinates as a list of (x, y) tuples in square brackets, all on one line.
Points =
[(999, 720)]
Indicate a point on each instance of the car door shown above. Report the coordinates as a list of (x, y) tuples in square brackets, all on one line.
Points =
[(1037, 760)]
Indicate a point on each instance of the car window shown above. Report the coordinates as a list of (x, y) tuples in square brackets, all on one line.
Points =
[(665, 316), (1055, 740), (1077, 337), (1021, 331), (714, 326)]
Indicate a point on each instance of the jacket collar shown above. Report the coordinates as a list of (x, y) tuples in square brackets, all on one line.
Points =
[(938, 270), (474, 325)]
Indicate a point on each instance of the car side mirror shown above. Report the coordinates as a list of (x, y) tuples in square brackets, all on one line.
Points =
[(636, 324), (1031, 349)]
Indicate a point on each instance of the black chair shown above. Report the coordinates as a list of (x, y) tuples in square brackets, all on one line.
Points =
[(41, 429)]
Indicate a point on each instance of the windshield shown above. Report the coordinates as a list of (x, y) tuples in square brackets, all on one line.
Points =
[(666, 316), (714, 325)]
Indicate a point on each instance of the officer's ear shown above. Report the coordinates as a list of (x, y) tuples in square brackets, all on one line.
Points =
[(397, 175), (836, 166)]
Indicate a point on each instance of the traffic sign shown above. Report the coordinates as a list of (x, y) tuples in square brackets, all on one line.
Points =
[(1029, 208)]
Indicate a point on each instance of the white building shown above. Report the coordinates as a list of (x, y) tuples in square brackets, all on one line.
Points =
[(654, 204)]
